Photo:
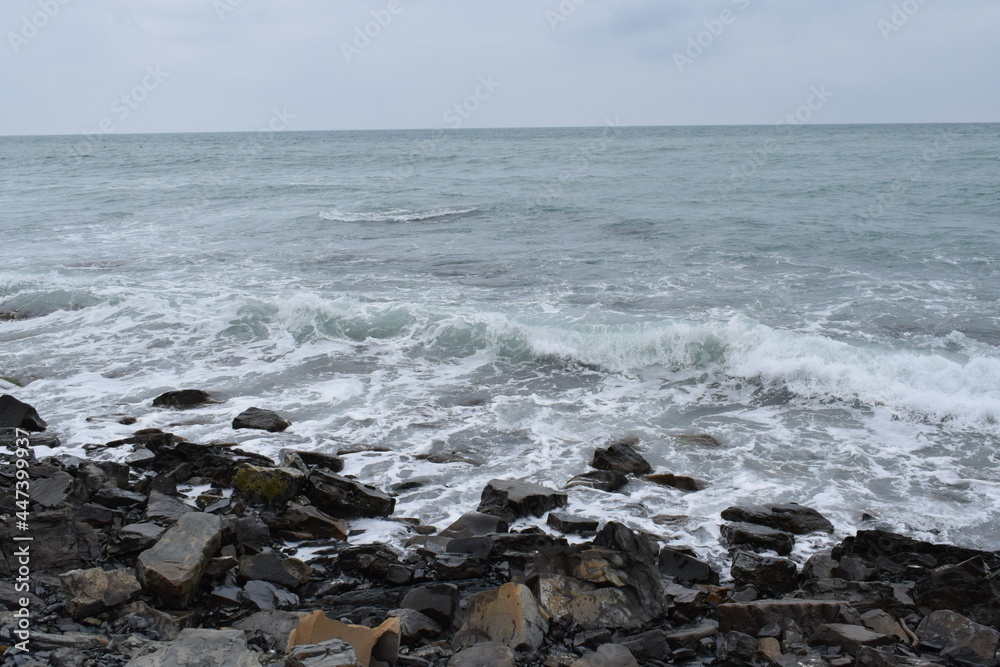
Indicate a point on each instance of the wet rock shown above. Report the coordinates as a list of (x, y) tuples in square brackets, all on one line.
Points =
[(774, 576), (862, 595), (690, 635), (789, 517), (59, 490), (267, 486), (438, 602), (854, 569), (276, 568), (567, 600), (414, 626), (607, 655), (621, 456), (686, 568), (899, 558), (737, 648), (510, 499), (881, 622), (201, 648), (120, 499), (89, 592), (263, 420), (342, 497), (648, 645), (173, 567), (750, 617), (570, 524), (954, 631), (849, 637), (966, 587), (758, 537), (819, 566), (873, 657), (215, 463), (252, 534), (136, 537), (699, 440), (161, 507), (331, 653), (453, 456), (182, 399), (508, 615), (602, 480), (16, 414), (301, 516), (330, 462), (98, 475), (679, 482), (265, 596), (475, 524), (58, 542), (485, 654)]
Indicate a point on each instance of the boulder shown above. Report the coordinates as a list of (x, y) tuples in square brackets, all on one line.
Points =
[(773, 576), (737, 648), (510, 499), (954, 631), (143, 618), (508, 615), (301, 516), (173, 567), (265, 596), (347, 498), (570, 524), (484, 654), (331, 462), (263, 420), (884, 623), (607, 655), (750, 617), (862, 595), (686, 568), (201, 648), (679, 482), (89, 592), (271, 624), (621, 457), (60, 489), (602, 480), (136, 537), (438, 602), (568, 600), (120, 499), (378, 647), (216, 463), (758, 537), (475, 524), (59, 542), (15, 414), (900, 558), (414, 626), (790, 517), (182, 399), (849, 637), (267, 486), (276, 568), (161, 507), (966, 587)]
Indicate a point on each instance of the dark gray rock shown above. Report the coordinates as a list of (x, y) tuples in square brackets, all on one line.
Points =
[(120, 498), (790, 517), (215, 463), (161, 507), (89, 592), (301, 516), (59, 542), (900, 558), (873, 657), (621, 456), (737, 648), (183, 399), (849, 637), (475, 524), (773, 576), (686, 568), (758, 537), (484, 654), (751, 617), (966, 587), (862, 595), (952, 630), (570, 524), (819, 566), (510, 499), (173, 568), (263, 420), (679, 482), (201, 648), (59, 490), (347, 498), (607, 655), (276, 568), (331, 462), (436, 601), (265, 596), (602, 480), (16, 414), (414, 626)]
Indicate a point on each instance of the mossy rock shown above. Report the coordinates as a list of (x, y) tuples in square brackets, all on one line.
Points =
[(272, 487), (13, 381)]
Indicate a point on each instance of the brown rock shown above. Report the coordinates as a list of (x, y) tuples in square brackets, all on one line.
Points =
[(174, 566), (509, 615), (89, 592)]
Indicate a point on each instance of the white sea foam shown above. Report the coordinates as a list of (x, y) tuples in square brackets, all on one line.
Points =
[(395, 215)]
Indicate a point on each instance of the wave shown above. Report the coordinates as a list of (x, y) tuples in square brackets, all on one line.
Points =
[(396, 215)]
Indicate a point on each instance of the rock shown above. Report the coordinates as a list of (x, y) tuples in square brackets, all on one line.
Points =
[(270, 487), (89, 592), (268, 597), (769, 648), (331, 462), (819, 566), (201, 648), (301, 516), (173, 567), (679, 482), (872, 657), (511, 499), (484, 654), (181, 459), (774, 576), (252, 534), (690, 635), (414, 626), (120, 499), (331, 653), (276, 568), (854, 569), (10, 436), (758, 537), (648, 645), (966, 587), (567, 599), (59, 490), (862, 595), (378, 647), (182, 399), (685, 568), (737, 648), (167, 626), (439, 602), (274, 624), (508, 615), (952, 630), (475, 524), (849, 637), (99, 475), (621, 457), (567, 523), (606, 656), (750, 617), (161, 507), (136, 537), (58, 542), (602, 480), (342, 497), (455, 456), (699, 439), (899, 558), (263, 420), (15, 414), (789, 517), (881, 622)]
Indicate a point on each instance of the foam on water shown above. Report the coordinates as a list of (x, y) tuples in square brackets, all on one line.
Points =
[(396, 215)]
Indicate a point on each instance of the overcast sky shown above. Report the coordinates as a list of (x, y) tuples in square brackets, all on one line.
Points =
[(77, 66)]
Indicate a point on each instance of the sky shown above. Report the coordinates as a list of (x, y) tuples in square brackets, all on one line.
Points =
[(139, 66)]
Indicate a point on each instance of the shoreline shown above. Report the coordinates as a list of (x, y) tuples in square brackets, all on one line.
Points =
[(124, 571)]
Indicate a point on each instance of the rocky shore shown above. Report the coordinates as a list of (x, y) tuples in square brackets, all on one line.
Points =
[(183, 554)]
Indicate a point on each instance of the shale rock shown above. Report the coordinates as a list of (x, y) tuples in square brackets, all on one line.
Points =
[(508, 615), (59, 542), (569, 600), (276, 568), (15, 414), (268, 597), (602, 480), (790, 517), (686, 568), (607, 655), (967, 587), (774, 576), (475, 524), (89, 592), (568, 523), (201, 648), (849, 637), (621, 457), (263, 420), (510, 499), (900, 558), (438, 602), (954, 631), (484, 654), (679, 482), (331, 462), (301, 516), (751, 617), (347, 498), (862, 595), (182, 399), (758, 537), (271, 487), (173, 567)]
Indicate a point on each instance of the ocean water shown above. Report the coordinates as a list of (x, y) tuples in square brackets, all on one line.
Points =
[(824, 301)]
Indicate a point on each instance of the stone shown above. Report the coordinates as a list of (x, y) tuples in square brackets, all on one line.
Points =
[(98, 475), (263, 420), (862, 595), (161, 507), (270, 487), (475, 524), (567, 600), (602, 480), (301, 516), (686, 568), (758, 537), (173, 567), (136, 537), (16, 414), (648, 645), (414, 626), (182, 399), (789, 517), (690, 635), (621, 457), (331, 653), (268, 597), (950, 629), (966, 587), (570, 524), (737, 648), (346, 498), (331, 462), (750, 617), (819, 566), (849, 637), (854, 569), (252, 534), (275, 624), (438, 602), (900, 558), (453, 456), (377, 647), (881, 622), (214, 463), (89, 592), (201, 648), (167, 626), (59, 542), (58, 490), (276, 568), (484, 654), (773, 576), (768, 648), (508, 615), (606, 656), (511, 499), (120, 499), (873, 657), (679, 482)]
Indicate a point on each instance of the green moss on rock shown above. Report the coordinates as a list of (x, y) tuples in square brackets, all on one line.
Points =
[(268, 486)]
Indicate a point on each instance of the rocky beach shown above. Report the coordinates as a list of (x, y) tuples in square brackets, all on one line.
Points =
[(158, 551)]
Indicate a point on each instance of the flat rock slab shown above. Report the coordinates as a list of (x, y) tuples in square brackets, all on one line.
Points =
[(508, 615), (346, 498), (276, 568), (263, 420), (510, 499), (849, 637), (679, 482), (201, 648), (789, 517), (566, 599), (568, 523), (173, 567), (750, 617)]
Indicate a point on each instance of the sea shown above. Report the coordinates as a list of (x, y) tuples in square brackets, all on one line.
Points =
[(823, 301)]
